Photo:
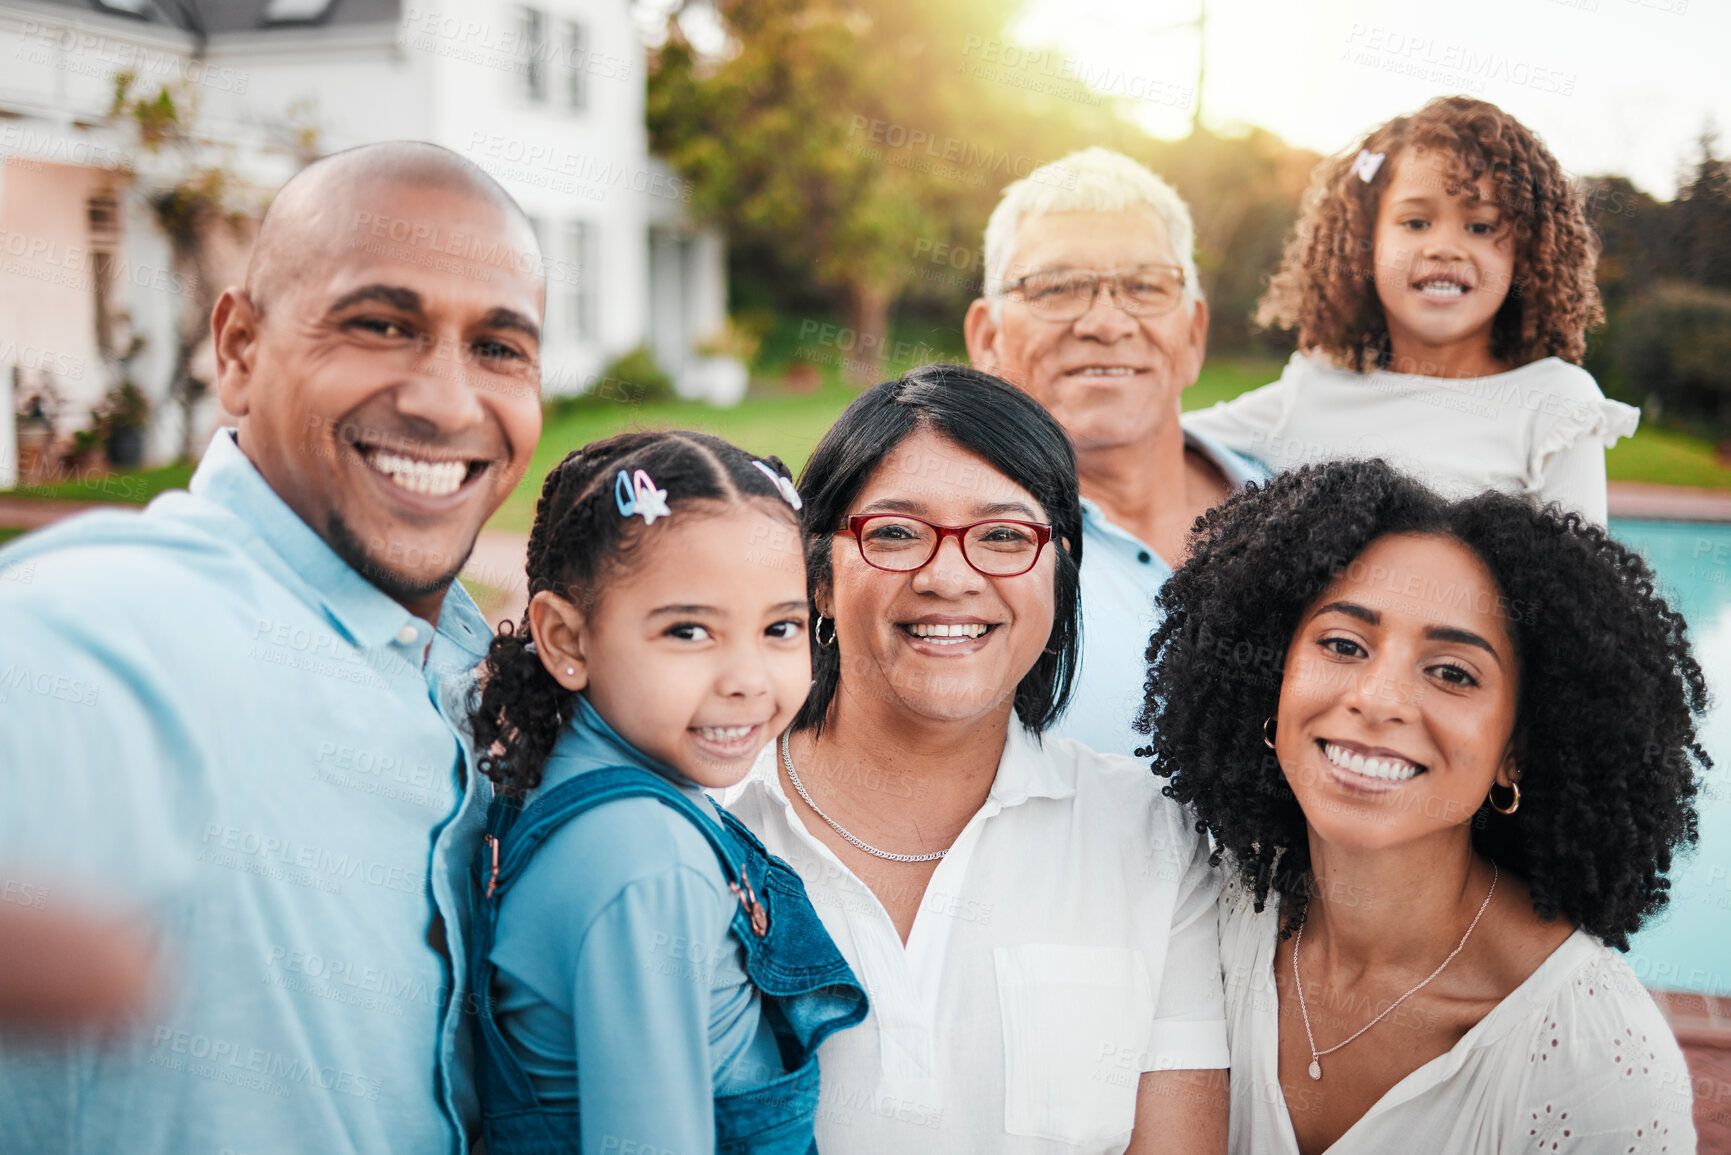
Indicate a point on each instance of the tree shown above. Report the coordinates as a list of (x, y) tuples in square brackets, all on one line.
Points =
[(851, 136), (1702, 215)]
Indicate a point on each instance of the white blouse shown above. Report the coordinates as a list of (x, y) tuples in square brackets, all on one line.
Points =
[(1066, 944), (1576, 1059), (1539, 431)]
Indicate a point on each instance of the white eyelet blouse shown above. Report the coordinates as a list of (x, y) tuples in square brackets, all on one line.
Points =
[(1576, 1059)]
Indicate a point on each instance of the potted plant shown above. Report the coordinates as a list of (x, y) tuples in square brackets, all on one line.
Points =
[(718, 374), (121, 421), (35, 426)]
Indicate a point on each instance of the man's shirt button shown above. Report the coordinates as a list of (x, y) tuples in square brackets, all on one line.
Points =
[(1144, 557), (408, 635)]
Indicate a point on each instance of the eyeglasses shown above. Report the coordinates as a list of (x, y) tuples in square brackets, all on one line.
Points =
[(902, 544), (1066, 294)]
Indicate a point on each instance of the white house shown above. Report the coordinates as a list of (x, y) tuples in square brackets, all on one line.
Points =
[(548, 96)]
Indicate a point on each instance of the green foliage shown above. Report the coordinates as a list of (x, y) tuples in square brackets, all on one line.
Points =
[(1674, 346), (841, 140), (629, 380)]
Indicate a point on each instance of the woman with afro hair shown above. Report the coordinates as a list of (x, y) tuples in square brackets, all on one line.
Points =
[(1440, 284), (1446, 751)]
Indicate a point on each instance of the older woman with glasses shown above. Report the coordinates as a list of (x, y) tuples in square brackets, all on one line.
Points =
[(1034, 921)]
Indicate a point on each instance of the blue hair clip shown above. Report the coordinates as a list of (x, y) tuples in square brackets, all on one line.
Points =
[(636, 495), (783, 485)]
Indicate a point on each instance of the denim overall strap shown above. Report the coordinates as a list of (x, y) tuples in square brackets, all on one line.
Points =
[(513, 1119), (522, 833)]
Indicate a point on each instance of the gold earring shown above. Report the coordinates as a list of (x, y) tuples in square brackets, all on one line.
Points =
[(1514, 803)]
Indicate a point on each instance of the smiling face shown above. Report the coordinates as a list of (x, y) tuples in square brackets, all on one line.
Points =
[(697, 654), (390, 399), (1109, 378), (944, 642), (1444, 266), (1398, 701)]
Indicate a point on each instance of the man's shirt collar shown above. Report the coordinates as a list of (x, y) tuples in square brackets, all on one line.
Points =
[(227, 478)]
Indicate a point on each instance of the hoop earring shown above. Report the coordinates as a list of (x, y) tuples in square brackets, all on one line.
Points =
[(817, 632), (1515, 798), (1267, 738)]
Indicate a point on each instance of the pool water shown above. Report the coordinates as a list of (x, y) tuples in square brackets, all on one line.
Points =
[(1689, 946)]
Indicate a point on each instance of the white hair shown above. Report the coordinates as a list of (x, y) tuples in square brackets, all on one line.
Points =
[(1095, 180)]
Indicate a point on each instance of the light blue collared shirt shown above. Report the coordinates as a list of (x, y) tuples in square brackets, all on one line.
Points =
[(1121, 574), (207, 716)]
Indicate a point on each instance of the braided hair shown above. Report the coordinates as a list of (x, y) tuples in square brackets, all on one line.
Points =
[(580, 542), (1325, 286)]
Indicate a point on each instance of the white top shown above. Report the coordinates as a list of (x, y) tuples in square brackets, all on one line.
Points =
[(1066, 944), (1576, 1059), (1539, 431)]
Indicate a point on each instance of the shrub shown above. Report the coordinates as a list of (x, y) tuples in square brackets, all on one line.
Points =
[(1673, 345), (632, 378)]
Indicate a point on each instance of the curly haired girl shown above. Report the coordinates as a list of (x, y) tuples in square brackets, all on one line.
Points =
[(633, 941), (1440, 282), (1447, 751)]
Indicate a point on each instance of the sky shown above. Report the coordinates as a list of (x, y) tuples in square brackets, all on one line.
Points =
[(1611, 86)]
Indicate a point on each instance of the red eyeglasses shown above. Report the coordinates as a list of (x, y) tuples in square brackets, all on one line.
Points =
[(901, 544)]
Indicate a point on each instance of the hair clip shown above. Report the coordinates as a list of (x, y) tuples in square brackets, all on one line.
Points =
[(636, 494), (1366, 164), (784, 485)]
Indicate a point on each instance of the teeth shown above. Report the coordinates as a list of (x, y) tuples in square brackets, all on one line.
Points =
[(434, 478), (726, 733), (1386, 769), (1107, 371), (1442, 289), (959, 632)]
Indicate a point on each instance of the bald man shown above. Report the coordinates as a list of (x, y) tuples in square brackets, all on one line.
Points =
[(237, 713)]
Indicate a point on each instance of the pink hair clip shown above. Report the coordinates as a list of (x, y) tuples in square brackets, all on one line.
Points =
[(788, 492), (636, 495)]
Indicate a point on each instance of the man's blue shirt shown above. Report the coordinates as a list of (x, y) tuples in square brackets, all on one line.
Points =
[(207, 716), (1121, 574)]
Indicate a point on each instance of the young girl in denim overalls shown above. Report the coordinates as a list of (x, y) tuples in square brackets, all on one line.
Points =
[(652, 980)]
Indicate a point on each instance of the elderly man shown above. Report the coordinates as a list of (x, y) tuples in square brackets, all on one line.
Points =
[(1092, 306), (240, 714)]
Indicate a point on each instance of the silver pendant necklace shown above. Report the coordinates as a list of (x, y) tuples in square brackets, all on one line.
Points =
[(793, 776), (1316, 1055)]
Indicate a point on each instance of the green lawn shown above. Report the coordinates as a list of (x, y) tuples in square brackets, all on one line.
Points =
[(135, 487), (1666, 457), (7, 534), (774, 421)]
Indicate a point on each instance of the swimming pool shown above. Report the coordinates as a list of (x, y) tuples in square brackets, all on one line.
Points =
[(1689, 946)]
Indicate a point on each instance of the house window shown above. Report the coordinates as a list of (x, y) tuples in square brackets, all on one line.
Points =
[(576, 79), (295, 11), (534, 28), (582, 271), (103, 213)]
